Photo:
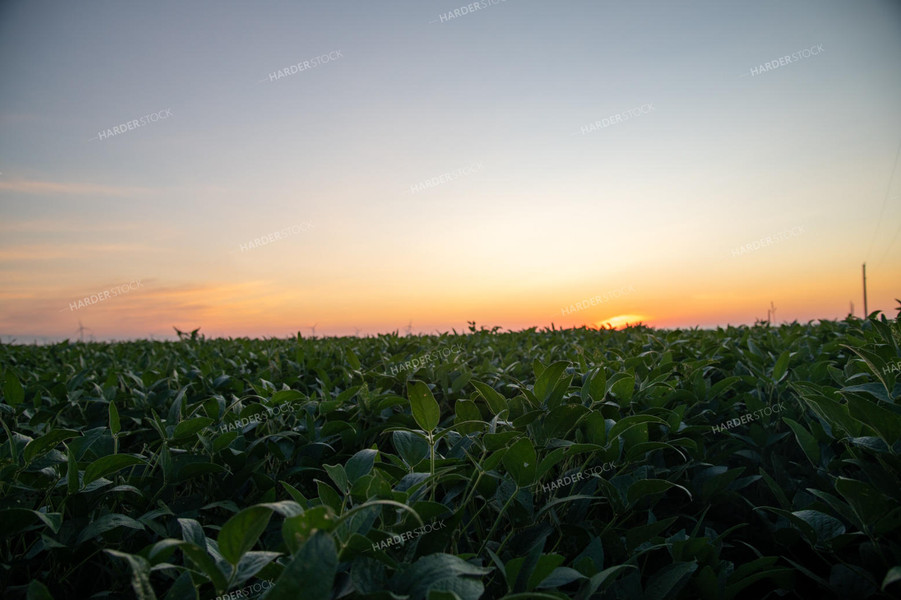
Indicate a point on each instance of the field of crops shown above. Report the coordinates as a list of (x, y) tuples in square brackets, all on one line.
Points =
[(745, 462)]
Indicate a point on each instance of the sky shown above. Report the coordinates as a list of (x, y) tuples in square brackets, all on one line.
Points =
[(355, 168)]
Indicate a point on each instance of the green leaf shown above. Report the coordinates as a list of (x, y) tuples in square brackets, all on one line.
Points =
[(222, 441), (411, 446), (40, 446), (360, 464), (337, 474), (425, 409), (866, 502), (182, 589), (831, 411), (547, 381), (442, 595), (647, 487), (824, 527), (192, 531), (873, 361), (636, 536), (251, 564), (521, 462), (723, 385), (893, 575), (597, 385), (328, 495), (886, 423), (667, 582), (114, 425), (781, 367), (631, 421), (606, 576), (496, 402), (110, 464), (560, 576), (166, 463), (106, 523), (310, 574), (779, 575), (207, 564), (241, 532), (38, 591), (283, 396), (774, 487), (467, 418), (807, 442), (13, 392), (543, 567), (14, 520), (352, 359), (622, 386), (297, 530), (444, 572), (140, 574), (189, 427), (72, 482)]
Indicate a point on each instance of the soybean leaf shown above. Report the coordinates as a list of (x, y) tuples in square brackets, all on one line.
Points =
[(40, 446), (13, 392), (106, 523), (241, 532), (109, 464), (311, 572), (114, 425), (521, 462), (496, 402), (38, 591), (425, 409), (140, 574)]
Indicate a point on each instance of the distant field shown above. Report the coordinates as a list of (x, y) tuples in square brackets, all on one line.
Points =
[(749, 462)]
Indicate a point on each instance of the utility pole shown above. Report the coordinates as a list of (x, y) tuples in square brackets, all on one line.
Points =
[(771, 314), (865, 313)]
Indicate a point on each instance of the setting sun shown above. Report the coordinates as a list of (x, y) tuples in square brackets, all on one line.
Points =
[(620, 321)]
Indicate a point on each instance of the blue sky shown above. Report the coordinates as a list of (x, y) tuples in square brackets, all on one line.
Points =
[(657, 202)]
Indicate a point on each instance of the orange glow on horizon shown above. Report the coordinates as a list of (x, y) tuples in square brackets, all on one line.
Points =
[(621, 321)]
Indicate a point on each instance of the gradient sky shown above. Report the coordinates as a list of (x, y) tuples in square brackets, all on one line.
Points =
[(650, 211)]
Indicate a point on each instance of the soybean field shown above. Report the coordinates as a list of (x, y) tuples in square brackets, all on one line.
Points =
[(741, 462)]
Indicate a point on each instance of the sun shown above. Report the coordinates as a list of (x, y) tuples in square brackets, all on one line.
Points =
[(620, 321)]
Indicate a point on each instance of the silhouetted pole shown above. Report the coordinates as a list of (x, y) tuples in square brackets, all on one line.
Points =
[(865, 313)]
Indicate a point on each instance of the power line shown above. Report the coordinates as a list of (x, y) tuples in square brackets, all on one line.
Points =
[(892, 243), (885, 201)]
